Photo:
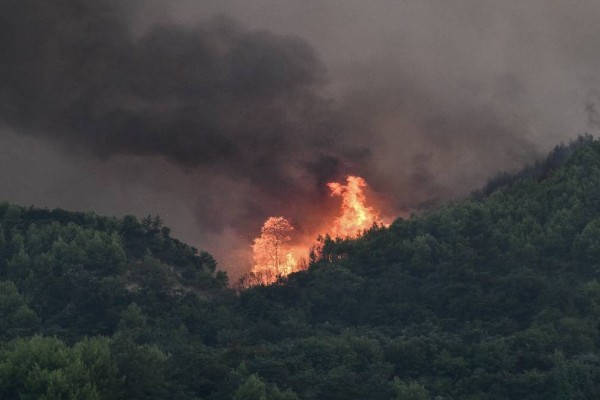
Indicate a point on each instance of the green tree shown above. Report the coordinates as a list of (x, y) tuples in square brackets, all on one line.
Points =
[(16, 318), (45, 368), (252, 389), (408, 390)]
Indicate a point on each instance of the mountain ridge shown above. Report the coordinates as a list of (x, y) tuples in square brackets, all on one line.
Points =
[(495, 296)]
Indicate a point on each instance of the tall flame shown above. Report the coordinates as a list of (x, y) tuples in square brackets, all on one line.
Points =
[(356, 215), (274, 256)]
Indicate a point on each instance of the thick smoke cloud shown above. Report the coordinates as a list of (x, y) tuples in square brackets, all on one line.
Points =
[(213, 95), (240, 105), (217, 114)]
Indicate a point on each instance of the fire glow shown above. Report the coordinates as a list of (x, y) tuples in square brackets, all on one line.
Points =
[(273, 256)]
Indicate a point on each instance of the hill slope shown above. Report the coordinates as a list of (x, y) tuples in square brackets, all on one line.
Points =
[(494, 297), (79, 271)]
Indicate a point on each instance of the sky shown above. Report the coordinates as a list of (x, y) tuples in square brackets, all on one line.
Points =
[(217, 114)]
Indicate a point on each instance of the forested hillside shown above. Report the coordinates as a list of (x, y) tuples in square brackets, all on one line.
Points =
[(492, 297)]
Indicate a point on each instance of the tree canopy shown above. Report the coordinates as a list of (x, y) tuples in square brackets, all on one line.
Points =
[(496, 296)]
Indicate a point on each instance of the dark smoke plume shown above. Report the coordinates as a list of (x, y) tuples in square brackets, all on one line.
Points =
[(166, 108), (213, 96)]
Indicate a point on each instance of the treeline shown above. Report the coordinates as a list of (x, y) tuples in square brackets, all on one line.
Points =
[(538, 170), (493, 297)]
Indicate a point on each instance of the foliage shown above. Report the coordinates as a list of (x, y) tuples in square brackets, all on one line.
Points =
[(409, 390), (17, 318), (45, 368), (492, 297)]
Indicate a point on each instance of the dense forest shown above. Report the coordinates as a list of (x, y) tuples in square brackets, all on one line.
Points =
[(496, 296)]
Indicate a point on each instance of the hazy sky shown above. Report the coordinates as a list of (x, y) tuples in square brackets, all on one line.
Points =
[(217, 114)]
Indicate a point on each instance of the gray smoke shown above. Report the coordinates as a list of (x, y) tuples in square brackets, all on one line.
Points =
[(213, 95), (218, 114)]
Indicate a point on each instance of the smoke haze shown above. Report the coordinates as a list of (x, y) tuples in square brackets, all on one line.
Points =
[(218, 114)]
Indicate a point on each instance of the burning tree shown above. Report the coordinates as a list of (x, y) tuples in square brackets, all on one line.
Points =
[(271, 252), (273, 256)]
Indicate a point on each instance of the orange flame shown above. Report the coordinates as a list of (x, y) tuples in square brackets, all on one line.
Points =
[(272, 254), (356, 215)]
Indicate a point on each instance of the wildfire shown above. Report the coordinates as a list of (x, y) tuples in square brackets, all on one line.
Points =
[(356, 215), (273, 255)]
